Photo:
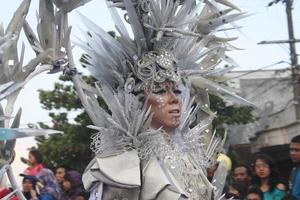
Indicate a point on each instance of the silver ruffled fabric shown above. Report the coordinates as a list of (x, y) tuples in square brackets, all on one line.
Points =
[(125, 177)]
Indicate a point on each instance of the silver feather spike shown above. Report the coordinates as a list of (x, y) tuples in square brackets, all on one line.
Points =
[(69, 5)]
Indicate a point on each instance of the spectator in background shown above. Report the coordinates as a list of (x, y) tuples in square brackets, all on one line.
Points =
[(29, 186), (82, 196), (242, 173), (236, 190), (35, 162), (295, 174), (211, 171), (254, 193), (267, 178), (47, 187), (72, 186), (4, 190), (60, 172)]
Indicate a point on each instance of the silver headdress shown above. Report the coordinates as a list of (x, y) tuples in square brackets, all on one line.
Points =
[(171, 40)]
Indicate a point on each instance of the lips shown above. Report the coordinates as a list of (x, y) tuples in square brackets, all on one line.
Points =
[(262, 174), (293, 158), (175, 112)]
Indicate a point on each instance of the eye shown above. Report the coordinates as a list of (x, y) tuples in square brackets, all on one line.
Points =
[(177, 92), (160, 91)]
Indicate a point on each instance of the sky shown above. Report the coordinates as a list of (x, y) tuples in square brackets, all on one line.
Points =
[(265, 23)]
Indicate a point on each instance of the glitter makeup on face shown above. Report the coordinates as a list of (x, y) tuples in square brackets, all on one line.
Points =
[(165, 104)]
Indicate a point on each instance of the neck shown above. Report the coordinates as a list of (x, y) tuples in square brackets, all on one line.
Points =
[(169, 131), (35, 164), (264, 181), (264, 184)]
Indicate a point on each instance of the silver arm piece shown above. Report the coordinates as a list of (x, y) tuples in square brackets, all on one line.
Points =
[(49, 46)]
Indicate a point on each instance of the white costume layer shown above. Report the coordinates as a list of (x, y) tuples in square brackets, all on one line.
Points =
[(125, 177)]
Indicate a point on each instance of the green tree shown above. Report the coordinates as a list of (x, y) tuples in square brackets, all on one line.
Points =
[(229, 114), (72, 147)]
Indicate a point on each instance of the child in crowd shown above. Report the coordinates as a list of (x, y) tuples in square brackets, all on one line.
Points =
[(29, 186), (254, 193), (72, 186), (35, 162)]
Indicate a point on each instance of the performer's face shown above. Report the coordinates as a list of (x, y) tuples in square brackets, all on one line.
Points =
[(166, 106)]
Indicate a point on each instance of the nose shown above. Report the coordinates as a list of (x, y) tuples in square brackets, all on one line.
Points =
[(173, 98)]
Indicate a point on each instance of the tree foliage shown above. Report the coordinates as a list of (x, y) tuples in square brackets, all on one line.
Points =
[(229, 114), (72, 147)]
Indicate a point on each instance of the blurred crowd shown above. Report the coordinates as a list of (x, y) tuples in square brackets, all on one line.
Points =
[(260, 181), (41, 183)]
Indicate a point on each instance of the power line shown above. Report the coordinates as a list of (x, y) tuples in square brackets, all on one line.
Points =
[(265, 81), (253, 71), (266, 89), (279, 41)]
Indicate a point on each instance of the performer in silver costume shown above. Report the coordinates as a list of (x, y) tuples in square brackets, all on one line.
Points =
[(155, 140), (150, 143)]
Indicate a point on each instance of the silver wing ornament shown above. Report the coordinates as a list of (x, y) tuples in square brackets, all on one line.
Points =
[(49, 47)]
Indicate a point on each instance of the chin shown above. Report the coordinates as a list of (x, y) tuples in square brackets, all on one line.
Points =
[(171, 127)]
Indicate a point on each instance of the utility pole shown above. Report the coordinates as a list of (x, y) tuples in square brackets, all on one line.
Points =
[(295, 67), (294, 61)]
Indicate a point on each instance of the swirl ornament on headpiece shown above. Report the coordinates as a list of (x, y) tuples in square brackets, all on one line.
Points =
[(156, 66), (153, 68)]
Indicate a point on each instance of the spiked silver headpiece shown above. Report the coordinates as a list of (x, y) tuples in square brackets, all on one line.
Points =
[(171, 40)]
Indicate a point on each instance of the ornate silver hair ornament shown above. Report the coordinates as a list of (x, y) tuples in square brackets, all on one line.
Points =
[(154, 67), (158, 65)]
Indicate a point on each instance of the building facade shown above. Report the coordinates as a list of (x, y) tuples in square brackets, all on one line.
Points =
[(272, 93)]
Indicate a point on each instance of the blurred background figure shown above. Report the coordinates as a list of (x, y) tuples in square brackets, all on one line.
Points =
[(295, 174), (4, 190), (47, 186), (60, 173), (242, 173), (29, 186), (267, 178), (235, 190), (254, 193), (211, 171), (35, 162), (72, 186), (82, 196)]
